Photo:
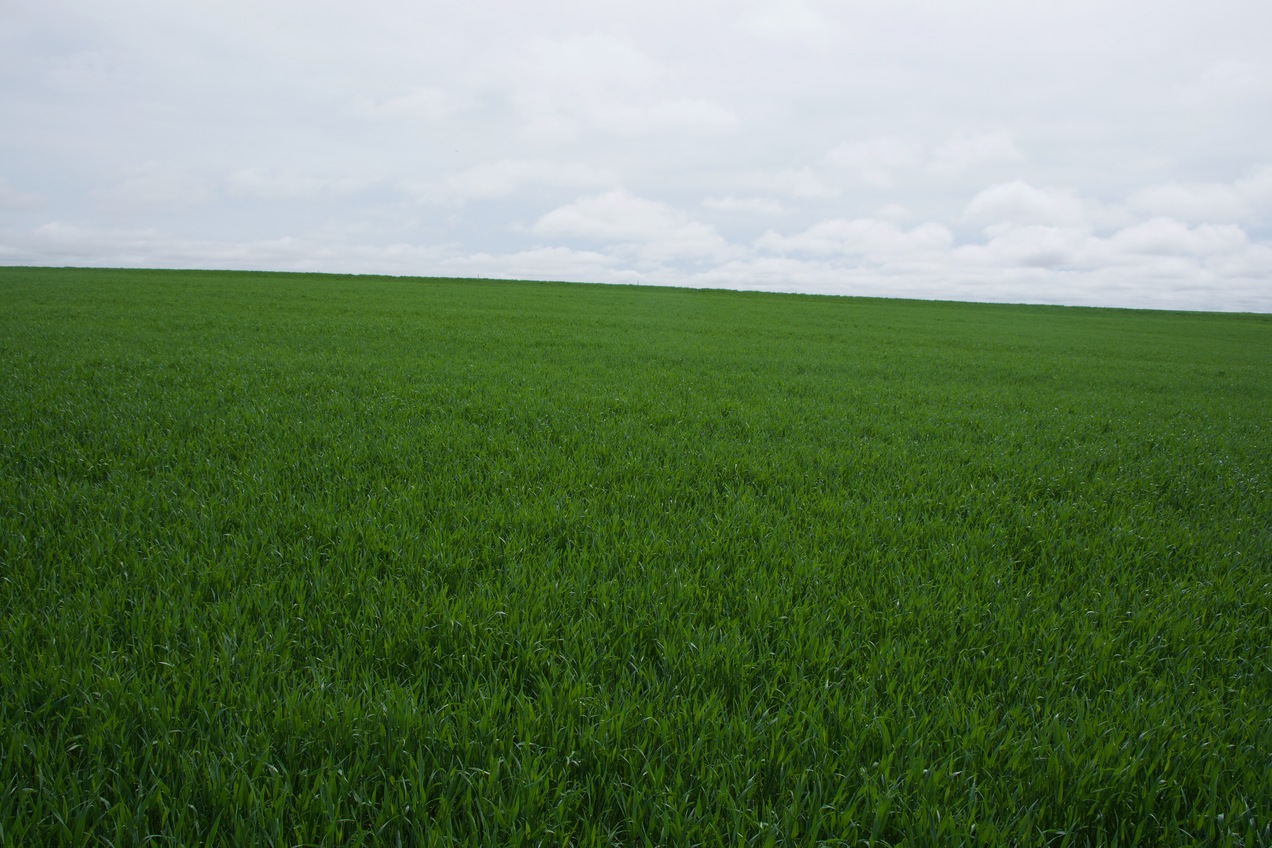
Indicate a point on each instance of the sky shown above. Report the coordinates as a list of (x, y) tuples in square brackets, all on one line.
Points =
[(1106, 153)]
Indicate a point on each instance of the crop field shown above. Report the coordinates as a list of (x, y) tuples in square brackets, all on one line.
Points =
[(319, 560)]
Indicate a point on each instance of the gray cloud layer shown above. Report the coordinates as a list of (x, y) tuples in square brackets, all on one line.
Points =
[(1084, 153)]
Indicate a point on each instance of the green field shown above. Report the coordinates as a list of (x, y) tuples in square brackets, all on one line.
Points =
[(301, 559)]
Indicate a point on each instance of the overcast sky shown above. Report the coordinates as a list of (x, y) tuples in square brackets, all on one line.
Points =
[(1078, 152)]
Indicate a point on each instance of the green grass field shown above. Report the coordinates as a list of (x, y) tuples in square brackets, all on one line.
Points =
[(300, 559)]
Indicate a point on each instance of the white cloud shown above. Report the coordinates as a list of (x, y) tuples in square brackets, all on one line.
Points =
[(150, 246), (1245, 199), (429, 103), (280, 185), (598, 82), (802, 183), (159, 185), (13, 198), (566, 121), (58, 242), (1145, 248), (1168, 237), (1256, 187), (616, 217), (864, 236), (748, 205), (1017, 202), (882, 160), (508, 176), (1230, 80), (893, 212), (1254, 264), (684, 113), (1191, 202), (788, 20), (874, 161), (613, 62), (1030, 246), (964, 151)]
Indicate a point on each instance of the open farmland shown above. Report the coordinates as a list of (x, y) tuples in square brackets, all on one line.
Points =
[(301, 559)]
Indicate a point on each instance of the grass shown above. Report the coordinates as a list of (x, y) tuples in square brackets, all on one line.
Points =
[(301, 559)]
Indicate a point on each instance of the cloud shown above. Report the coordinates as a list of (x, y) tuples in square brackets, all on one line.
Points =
[(1246, 199), (682, 113), (1256, 187), (1030, 246), (157, 184), (964, 151), (432, 104), (1191, 202), (60, 243), (893, 212), (880, 161), (65, 243), (601, 83), (747, 205), (801, 183), (1017, 202), (1230, 80), (874, 161), (288, 185), (653, 229), (1144, 248), (1168, 237), (15, 199), (629, 118), (508, 176), (787, 21), (862, 237)]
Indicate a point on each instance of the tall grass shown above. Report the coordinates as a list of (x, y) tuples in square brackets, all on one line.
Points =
[(292, 559)]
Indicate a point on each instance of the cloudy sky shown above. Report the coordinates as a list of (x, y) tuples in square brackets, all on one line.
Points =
[(1078, 152)]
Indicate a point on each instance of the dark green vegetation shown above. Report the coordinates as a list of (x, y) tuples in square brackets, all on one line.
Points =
[(308, 559)]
